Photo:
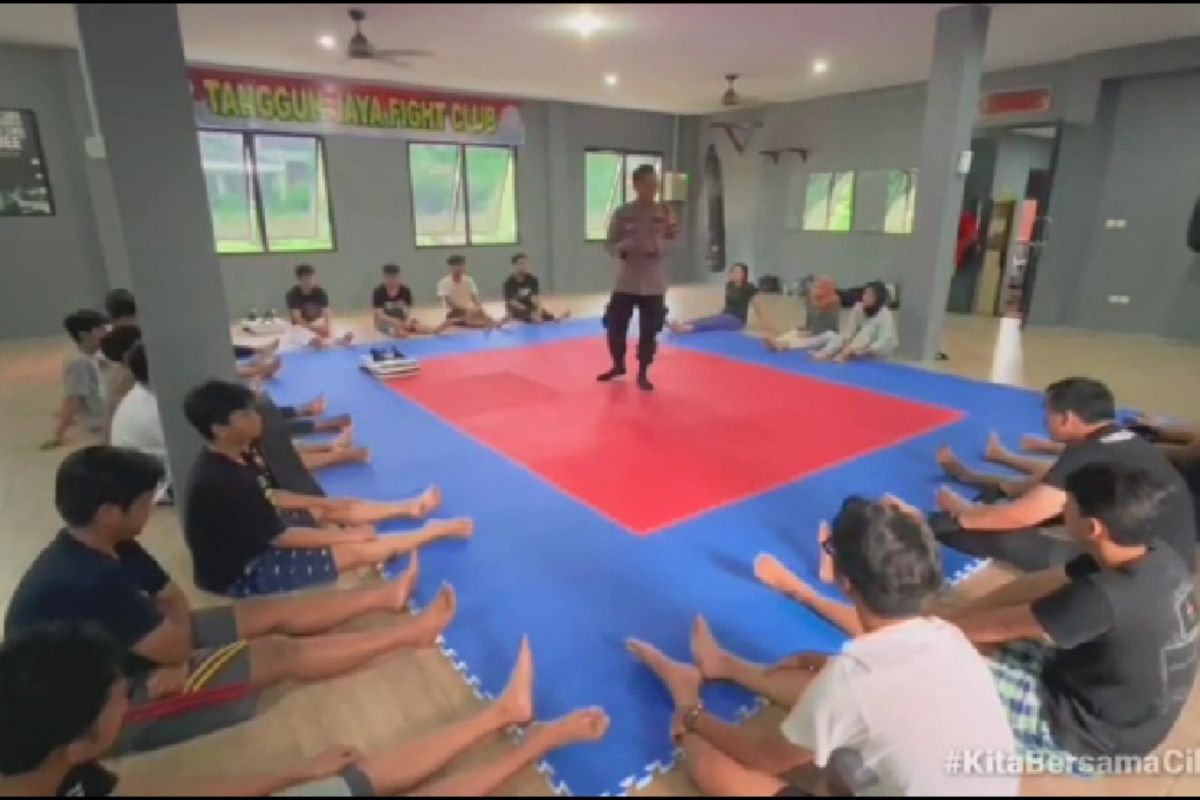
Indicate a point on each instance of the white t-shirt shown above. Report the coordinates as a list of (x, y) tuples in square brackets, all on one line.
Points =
[(137, 424), (461, 294), (897, 704)]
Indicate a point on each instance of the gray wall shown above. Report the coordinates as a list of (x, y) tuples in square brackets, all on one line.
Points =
[(50, 265)]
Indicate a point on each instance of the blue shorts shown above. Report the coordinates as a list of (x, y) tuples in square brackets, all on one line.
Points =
[(279, 571)]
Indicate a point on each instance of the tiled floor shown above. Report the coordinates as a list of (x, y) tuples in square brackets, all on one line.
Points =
[(405, 696)]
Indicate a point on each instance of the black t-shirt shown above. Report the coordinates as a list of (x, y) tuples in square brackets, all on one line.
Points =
[(521, 290), (311, 306), (88, 780), (395, 305), (737, 299), (71, 582), (229, 521), (1126, 657), (1177, 519)]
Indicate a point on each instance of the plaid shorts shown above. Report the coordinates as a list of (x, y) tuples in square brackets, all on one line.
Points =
[(1017, 671)]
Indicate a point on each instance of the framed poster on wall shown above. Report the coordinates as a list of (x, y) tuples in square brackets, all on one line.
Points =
[(24, 184)]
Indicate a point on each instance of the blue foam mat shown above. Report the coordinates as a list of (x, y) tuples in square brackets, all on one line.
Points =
[(544, 565)]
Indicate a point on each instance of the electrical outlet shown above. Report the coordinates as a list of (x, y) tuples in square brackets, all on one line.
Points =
[(1121, 224), (1118, 299)]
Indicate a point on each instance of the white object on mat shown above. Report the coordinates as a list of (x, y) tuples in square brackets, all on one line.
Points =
[(1007, 363), (393, 368), (262, 327)]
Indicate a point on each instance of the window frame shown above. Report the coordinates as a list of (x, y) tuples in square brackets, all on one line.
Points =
[(624, 153), (250, 146), (910, 202), (464, 174), (833, 181), (36, 131)]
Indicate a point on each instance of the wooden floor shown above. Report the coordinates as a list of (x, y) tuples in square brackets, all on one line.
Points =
[(407, 695)]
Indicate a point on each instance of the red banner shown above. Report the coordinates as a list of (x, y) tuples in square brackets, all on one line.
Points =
[(242, 100), (1019, 101)]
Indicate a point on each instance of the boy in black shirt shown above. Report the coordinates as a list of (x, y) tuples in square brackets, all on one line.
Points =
[(522, 292), (191, 673), (1101, 663), (308, 305), (1026, 532), (392, 302), (250, 537), (62, 699)]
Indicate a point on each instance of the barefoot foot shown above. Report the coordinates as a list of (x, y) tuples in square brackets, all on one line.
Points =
[(515, 705), (429, 501), (950, 502), (451, 528), (578, 727), (709, 657), (682, 681), (437, 616), (995, 450), (400, 591), (950, 463)]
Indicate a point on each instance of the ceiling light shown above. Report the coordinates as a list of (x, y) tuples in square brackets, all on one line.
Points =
[(327, 41), (611, 79), (585, 23), (820, 66)]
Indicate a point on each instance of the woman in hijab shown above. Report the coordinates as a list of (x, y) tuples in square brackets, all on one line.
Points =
[(871, 330), (822, 320)]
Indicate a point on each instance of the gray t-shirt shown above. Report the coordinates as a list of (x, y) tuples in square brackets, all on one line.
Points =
[(818, 321), (81, 378), (637, 236)]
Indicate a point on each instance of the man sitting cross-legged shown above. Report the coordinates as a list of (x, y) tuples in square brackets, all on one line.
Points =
[(1027, 531), (192, 672), (249, 537), (63, 697), (1096, 658), (881, 717)]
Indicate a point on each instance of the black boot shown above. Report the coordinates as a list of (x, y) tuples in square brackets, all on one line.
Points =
[(643, 380), (617, 371)]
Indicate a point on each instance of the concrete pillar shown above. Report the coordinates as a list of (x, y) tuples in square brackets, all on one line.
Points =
[(951, 105), (134, 55)]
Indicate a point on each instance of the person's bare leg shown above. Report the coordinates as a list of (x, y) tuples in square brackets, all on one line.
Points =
[(776, 576), (781, 686), (278, 659), (964, 474), (717, 775), (321, 459), (997, 453), (1038, 445), (306, 615), (356, 555), (367, 512), (409, 763), (313, 408), (587, 725), (680, 328), (951, 502)]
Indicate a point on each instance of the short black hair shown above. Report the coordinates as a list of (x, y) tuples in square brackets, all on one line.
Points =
[(117, 343), (54, 683), (391, 269), (119, 304), (643, 171), (456, 260), (136, 361), (99, 476), (82, 322), (1127, 500), (213, 403), (1086, 398), (303, 270), (518, 257), (890, 558)]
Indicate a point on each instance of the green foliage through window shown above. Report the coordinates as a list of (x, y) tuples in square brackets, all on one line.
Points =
[(901, 201), (608, 183), (463, 194), (829, 202)]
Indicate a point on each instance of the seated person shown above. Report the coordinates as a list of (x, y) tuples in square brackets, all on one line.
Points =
[(522, 295), (237, 521), (853, 713), (392, 302), (308, 305), (1026, 532), (871, 330), (191, 672), (740, 294), (83, 384), (822, 320), (63, 698), (459, 293)]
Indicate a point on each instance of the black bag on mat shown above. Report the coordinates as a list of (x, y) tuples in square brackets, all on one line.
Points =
[(770, 284)]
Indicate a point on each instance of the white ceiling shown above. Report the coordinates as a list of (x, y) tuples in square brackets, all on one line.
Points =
[(670, 57)]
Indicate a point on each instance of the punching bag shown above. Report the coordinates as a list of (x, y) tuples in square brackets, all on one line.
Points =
[(1194, 228)]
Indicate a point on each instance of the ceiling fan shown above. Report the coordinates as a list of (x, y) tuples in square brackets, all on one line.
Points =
[(731, 97), (360, 48)]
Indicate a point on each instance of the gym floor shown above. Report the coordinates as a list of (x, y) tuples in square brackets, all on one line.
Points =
[(405, 696)]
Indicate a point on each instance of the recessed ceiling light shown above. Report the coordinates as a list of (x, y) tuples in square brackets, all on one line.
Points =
[(611, 79), (820, 66), (585, 23), (327, 41)]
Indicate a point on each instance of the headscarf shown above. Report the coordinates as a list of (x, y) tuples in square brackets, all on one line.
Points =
[(881, 298), (824, 294)]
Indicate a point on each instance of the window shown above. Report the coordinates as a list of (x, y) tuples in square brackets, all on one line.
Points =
[(267, 192), (608, 182), (901, 201), (829, 202), (463, 194), (24, 184)]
